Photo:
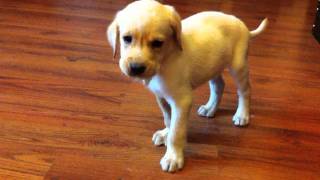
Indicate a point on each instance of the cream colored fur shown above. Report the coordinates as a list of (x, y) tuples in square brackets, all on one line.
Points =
[(194, 51)]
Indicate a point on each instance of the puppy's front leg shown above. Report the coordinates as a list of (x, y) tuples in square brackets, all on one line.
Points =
[(174, 157), (160, 137)]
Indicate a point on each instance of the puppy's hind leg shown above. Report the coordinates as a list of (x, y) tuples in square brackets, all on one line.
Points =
[(239, 71), (160, 137), (216, 90)]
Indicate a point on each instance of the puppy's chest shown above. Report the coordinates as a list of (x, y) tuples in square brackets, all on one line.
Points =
[(158, 86)]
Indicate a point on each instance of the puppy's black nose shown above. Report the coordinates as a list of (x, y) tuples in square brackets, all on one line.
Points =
[(136, 68)]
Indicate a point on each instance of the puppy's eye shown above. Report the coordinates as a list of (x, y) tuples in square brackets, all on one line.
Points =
[(127, 39), (156, 44)]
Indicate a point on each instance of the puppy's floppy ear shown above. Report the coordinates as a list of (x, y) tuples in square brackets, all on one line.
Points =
[(113, 36), (175, 23)]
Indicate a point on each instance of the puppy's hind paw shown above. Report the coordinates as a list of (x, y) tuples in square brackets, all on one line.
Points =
[(160, 137), (240, 121), (205, 112)]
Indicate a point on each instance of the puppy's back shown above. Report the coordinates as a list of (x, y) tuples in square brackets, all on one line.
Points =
[(215, 23)]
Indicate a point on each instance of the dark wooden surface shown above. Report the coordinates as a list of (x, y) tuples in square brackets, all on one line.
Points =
[(66, 111)]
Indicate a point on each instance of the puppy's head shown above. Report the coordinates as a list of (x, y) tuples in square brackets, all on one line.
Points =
[(144, 33)]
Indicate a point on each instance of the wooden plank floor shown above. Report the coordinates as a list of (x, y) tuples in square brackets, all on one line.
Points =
[(67, 112)]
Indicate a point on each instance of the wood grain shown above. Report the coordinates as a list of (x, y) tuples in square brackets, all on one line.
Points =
[(67, 112)]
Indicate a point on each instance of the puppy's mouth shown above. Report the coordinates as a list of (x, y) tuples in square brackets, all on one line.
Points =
[(146, 74), (138, 70)]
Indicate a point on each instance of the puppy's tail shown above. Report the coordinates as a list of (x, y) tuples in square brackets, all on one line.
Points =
[(260, 29)]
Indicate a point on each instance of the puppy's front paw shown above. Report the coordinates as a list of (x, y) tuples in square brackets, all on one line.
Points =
[(160, 137), (240, 120), (206, 112), (172, 162)]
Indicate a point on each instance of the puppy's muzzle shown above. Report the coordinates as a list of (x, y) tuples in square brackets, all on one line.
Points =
[(136, 69)]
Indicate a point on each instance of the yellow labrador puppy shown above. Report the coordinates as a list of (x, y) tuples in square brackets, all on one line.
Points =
[(173, 57)]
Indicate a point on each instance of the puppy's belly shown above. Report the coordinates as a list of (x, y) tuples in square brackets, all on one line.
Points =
[(204, 74)]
